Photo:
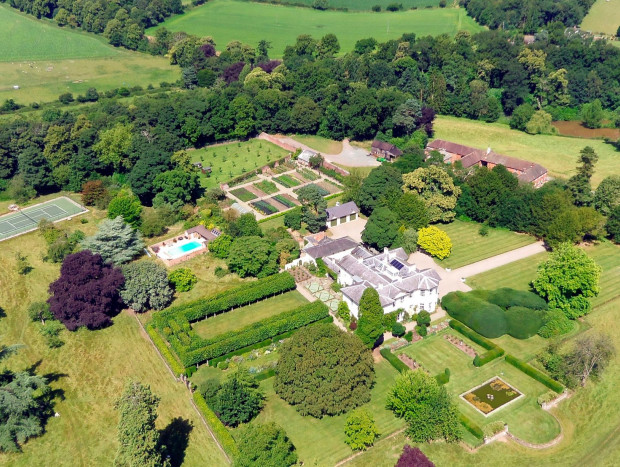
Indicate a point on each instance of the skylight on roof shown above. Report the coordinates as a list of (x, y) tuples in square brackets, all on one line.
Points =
[(397, 264)]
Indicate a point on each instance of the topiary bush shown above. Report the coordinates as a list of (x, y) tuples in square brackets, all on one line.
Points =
[(555, 324), (506, 298), (182, 279), (398, 330), (483, 317), (523, 323)]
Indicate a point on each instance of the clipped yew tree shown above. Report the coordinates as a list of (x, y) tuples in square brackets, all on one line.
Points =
[(87, 291), (324, 371)]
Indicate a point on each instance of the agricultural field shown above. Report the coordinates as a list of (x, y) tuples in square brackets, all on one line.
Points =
[(557, 153), (240, 317), (233, 159), (45, 61), (604, 16), (524, 417), (468, 246), (281, 25), (321, 441), (366, 5), (89, 370)]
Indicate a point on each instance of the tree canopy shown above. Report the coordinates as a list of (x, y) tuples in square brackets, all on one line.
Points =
[(313, 207), (370, 322), (381, 229), (87, 291), (146, 286), (568, 279), (379, 182), (360, 430), (237, 400), (426, 407), (252, 256), (324, 371), (265, 445), (115, 241), (437, 190), (435, 242)]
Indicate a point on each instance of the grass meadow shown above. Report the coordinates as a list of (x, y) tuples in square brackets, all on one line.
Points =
[(251, 22), (246, 315), (45, 61), (468, 246), (233, 159), (90, 369), (557, 153), (604, 16), (320, 144)]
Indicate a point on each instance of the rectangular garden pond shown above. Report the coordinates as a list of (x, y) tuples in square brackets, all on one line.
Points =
[(491, 395)]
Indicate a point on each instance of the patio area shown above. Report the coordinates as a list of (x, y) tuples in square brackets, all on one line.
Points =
[(320, 288)]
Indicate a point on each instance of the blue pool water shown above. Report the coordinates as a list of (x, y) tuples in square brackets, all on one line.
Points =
[(181, 250)]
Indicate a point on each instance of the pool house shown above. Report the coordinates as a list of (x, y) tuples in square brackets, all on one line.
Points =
[(192, 242)]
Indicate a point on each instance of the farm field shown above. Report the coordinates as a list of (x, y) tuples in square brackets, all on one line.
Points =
[(557, 153), (604, 16), (366, 5), (233, 159), (321, 441), (244, 316), (91, 368), (281, 25), (589, 421), (468, 246), (46, 61)]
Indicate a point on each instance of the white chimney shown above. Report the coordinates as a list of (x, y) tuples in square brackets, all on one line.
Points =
[(488, 150), (386, 252)]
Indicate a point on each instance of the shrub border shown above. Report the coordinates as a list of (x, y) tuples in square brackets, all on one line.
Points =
[(223, 436), (535, 373), (494, 351), (176, 367)]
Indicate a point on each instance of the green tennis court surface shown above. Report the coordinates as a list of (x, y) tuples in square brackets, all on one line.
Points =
[(27, 219)]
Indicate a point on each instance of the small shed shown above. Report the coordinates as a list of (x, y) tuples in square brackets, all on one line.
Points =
[(385, 150), (342, 213), (305, 156)]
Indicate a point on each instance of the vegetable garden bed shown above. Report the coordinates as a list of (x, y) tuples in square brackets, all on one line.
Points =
[(265, 207), (287, 181), (267, 187), (243, 194)]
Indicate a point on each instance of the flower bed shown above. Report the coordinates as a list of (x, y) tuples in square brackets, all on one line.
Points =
[(267, 187), (285, 201), (492, 395), (287, 181), (243, 194), (264, 207)]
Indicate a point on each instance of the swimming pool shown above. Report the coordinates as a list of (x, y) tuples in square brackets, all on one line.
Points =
[(183, 249)]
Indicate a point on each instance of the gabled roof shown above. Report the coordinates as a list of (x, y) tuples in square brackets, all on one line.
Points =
[(384, 146), (305, 155), (204, 232), (342, 210), (330, 247)]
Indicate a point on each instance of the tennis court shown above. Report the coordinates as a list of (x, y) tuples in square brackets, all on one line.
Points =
[(27, 219)]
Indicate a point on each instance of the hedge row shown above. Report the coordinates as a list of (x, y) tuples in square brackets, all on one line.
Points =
[(254, 333), (224, 301), (394, 360), (470, 426), (220, 432), (175, 366), (535, 373), (258, 345), (494, 351)]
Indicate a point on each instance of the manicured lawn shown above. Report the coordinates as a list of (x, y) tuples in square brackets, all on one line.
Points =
[(557, 153), (46, 61), (243, 194), (90, 369), (519, 274), (525, 418), (231, 160), (604, 16), (246, 315), (361, 5), (227, 21), (589, 422), (320, 144), (321, 441), (468, 246), (267, 187)]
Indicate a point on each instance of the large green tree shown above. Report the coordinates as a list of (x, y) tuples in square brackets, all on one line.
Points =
[(568, 279), (607, 195), (127, 206), (425, 406), (176, 188), (324, 371), (379, 182), (370, 322), (265, 445), (138, 438), (115, 241), (437, 190), (411, 211), (113, 146), (579, 184), (360, 430), (313, 207), (237, 400), (146, 286), (381, 229), (252, 256)]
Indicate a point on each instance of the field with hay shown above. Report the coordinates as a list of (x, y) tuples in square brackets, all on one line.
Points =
[(557, 153), (227, 20), (604, 16), (366, 5), (45, 61)]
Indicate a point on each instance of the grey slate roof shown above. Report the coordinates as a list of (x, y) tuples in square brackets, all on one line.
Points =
[(330, 246), (342, 210)]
